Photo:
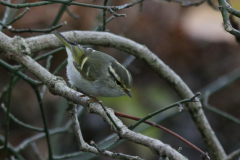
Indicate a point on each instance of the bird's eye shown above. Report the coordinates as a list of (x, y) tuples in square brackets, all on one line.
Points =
[(117, 82)]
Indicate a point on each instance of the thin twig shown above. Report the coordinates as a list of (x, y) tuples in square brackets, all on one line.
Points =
[(67, 156), (163, 109), (22, 75), (44, 122), (18, 17), (232, 155), (231, 9), (38, 136), (128, 60), (92, 143), (163, 128), (73, 15), (39, 58), (47, 30), (18, 73), (227, 25), (141, 6), (60, 67), (221, 82), (109, 116), (3, 25), (11, 148), (36, 4), (49, 53), (108, 20), (76, 126), (6, 15), (36, 151), (188, 4), (48, 64), (115, 8), (83, 146), (210, 2), (104, 16), (24, 5), (7, 115), (59, 14), (4, 92), (115, 14), (217, 111), (20, 122)]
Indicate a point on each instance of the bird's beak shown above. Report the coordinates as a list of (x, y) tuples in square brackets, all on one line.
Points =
[(128, 93)]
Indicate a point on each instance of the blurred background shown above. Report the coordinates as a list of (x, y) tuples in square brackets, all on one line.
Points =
[(190, 40)]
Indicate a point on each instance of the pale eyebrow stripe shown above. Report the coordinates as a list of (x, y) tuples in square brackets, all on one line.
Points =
[(90, 50), (128, 74), (83, 62), (120, 65), (112, 71)]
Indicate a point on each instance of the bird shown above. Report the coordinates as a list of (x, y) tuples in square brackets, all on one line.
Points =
[(95, 73)]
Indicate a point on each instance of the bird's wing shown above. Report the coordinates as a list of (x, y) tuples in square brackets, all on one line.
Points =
[(91, 64)]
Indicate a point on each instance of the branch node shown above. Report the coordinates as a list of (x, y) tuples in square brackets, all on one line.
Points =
[(228, 27), (92, 143), (21, 45), (115, 14), (193, 98), (205, 156)]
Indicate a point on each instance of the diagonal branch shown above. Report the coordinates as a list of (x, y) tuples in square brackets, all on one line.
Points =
[(163, 128), (233, 155), (83, 146), (224, 7)]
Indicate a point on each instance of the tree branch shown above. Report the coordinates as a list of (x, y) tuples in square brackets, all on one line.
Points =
[(83, 146)]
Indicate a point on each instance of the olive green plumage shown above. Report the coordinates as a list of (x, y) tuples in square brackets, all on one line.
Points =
[(94, 72)]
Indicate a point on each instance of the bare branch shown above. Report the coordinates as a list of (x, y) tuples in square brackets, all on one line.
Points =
[(36, 4), (188, 3), (18, 17), (11, 148), (227, 25), (38, 136), (7, 118), (47, 30), (163, 109), (20, 122), (6, 15), (217, 111), (231, 9), (83, 146), (163, 128), (233, 155), (73, 15)]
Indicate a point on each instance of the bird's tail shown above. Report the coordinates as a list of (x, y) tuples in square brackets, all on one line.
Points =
[(62, 38)]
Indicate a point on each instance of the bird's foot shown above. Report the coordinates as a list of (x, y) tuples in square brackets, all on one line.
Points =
[(91, 98)]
